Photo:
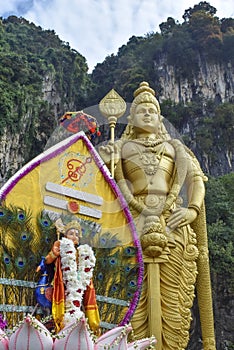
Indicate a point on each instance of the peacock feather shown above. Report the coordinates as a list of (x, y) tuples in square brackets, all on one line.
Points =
[(6, 262), (115, 277), (16, 235), (47, 234), (5, 216), (21, 244)]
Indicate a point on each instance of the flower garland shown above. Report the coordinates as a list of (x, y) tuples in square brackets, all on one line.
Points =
[(76, 278)]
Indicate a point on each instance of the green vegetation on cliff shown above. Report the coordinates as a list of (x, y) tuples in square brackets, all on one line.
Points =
[(33, 62), (186, 49), (202, 36), (220, 223)]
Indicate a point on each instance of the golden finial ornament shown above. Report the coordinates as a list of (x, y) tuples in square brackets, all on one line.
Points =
[(112, 107)]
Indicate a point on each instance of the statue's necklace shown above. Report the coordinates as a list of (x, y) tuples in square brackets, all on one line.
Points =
[(149, 142), (151, 155)]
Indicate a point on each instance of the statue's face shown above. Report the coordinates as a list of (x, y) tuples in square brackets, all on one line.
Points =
[(73, 234), (146, 118)]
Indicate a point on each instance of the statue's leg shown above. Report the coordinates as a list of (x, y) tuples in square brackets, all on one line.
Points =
[(177, 278), (170, 289)]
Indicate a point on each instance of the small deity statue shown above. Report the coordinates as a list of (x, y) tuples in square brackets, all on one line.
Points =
[(153, 171), (73, 289)]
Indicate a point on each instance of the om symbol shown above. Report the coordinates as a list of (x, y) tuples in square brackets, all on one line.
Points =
[(76, 169)]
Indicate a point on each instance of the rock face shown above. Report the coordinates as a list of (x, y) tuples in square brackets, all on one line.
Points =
[(213, 81), (11, 156)]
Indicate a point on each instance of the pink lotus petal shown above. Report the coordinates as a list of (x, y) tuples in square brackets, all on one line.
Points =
[(74, 336), (116, 338), (142, 344), (4, 341), (31, 334)]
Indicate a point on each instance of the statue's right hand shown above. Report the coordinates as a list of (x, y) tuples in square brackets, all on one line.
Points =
[(107, 151)]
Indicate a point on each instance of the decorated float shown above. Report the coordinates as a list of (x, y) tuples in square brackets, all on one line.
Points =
[(67, 182)]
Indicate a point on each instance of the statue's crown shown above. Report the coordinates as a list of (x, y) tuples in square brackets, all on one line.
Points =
[(144, 94), (144, 87)]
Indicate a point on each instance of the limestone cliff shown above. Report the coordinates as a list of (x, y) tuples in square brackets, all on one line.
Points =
[(212, 81)]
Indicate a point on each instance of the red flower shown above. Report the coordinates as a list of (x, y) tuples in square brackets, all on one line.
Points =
[(87, 269), (76, 303), (78, 290)]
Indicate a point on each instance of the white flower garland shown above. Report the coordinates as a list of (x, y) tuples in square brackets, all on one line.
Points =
[(76, 278)]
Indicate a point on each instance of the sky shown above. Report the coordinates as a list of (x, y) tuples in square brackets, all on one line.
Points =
[(98, 28)]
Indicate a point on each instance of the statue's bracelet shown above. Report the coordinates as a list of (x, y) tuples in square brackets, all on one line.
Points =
[(195, 207)]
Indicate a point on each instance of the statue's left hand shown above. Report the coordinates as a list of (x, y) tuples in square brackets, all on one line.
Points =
[(181, 217)]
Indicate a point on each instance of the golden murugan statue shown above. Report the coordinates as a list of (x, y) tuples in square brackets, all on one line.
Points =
[(164, 187)]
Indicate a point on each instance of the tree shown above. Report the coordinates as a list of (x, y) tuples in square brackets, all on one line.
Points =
[(181, 53), (168, 26), (205, 29), (220, 219), (227, 25), (223, 123), (202, 6)]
